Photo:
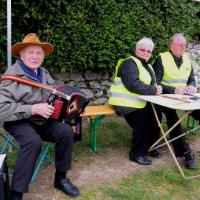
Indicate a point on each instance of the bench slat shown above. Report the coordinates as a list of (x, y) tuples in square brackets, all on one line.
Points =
[(96, 114), (91, 111)]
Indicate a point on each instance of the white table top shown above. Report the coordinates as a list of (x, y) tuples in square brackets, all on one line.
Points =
[(174, 101)]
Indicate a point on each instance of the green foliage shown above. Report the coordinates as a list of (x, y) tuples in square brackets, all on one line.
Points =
[(94, 34)]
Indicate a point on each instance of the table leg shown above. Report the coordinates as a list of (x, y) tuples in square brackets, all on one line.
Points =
[(167, 142), (168, 131)]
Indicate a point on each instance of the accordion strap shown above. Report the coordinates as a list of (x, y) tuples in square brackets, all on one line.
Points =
[(34, 84)]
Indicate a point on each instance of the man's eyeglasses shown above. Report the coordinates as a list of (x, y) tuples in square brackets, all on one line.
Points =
[(145, 50)]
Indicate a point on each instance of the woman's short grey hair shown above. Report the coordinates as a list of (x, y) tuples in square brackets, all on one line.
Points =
[(176, 36), (145, 42)]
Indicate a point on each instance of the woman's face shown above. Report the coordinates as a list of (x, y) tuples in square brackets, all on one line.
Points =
[(144, 52)]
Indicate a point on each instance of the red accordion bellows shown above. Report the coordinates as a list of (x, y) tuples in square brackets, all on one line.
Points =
[(58, 105)]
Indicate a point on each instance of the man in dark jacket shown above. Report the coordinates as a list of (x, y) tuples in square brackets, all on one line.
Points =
[(19, 103), (134, 76), (174, 72)]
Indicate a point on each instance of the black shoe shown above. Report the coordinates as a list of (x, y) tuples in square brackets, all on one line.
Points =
[(155, 153), (190, 161), (15, 195), (140, 160), (14, 199), (67, 187)]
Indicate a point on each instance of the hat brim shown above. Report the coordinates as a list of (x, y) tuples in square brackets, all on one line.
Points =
[(16, 48)]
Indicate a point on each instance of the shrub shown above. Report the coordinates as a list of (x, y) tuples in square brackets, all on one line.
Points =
[(94, 34)]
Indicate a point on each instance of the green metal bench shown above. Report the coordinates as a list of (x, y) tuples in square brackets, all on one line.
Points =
[(96, 114)]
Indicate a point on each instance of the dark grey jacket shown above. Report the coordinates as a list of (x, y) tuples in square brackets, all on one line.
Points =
[(16, 98)]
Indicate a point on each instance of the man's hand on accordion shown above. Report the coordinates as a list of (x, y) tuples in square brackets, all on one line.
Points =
[(43, 109)]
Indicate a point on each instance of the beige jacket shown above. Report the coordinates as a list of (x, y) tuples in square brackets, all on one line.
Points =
[(16, 98)]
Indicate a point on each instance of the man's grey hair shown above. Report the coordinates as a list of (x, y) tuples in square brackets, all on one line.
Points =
[(145, 42), (176, 36)]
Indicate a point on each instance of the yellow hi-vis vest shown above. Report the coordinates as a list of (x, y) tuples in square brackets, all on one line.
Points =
[(174, 76), (120, 96)]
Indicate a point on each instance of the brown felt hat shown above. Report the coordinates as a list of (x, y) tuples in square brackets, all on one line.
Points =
[(31, 39)]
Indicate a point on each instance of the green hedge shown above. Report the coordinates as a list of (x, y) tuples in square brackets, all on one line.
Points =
[(94, 34)]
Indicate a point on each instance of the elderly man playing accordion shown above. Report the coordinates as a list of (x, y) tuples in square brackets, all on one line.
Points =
[(19, 104)]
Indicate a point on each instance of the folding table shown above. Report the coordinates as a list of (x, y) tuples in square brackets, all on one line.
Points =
[(177, 102)]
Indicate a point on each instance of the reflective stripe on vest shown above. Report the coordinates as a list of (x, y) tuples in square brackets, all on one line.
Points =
[(121, 96), (174, 76), (127, 96)]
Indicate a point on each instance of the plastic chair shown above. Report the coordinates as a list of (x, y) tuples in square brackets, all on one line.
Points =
[(43, 158)]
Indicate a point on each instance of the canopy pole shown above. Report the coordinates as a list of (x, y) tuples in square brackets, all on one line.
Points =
[(9, 62)]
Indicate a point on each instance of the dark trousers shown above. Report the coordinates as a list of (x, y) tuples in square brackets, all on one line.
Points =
[(30, 138), (180, 146), (196, 114), (143, 123)]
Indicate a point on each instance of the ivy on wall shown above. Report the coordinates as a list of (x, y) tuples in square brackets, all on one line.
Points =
[(94, 34)]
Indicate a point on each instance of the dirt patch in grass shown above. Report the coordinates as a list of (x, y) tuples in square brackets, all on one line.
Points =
[(112, 166)]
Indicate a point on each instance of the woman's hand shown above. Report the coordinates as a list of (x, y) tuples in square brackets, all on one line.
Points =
[(158, 89)]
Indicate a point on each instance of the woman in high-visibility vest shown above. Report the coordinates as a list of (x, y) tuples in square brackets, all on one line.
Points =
[(173, 71), (134, 76)]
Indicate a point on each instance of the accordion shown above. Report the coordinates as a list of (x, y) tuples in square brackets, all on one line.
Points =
[(68, 110), (69, 102)]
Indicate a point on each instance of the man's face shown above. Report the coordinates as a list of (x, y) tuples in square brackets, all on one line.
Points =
[(144, 52), (178, 46), (32, 56)]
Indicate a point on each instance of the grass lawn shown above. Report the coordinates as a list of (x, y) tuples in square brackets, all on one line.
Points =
[(164, 183), (160, 184)]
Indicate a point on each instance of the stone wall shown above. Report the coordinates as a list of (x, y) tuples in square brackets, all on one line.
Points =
[(194, 51), (96, 84)]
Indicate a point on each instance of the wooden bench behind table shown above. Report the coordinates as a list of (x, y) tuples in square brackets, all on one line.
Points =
[(96, 114)]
